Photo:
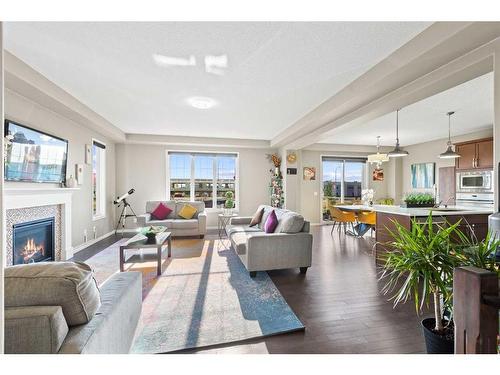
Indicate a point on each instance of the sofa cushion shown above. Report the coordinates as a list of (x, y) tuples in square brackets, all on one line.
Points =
[(151, 205), (271, 222), (187, 212), (230, 229), (290, 222), (257, 217), (200, 207), (162, 223), (184, 224), (70, 285), (161, 212)]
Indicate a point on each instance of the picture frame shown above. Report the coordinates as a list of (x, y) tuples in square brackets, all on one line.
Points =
[(309, 173), (423, 175), (378, 174)]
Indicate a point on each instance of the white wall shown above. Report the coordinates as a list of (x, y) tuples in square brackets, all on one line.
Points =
[(143, 167), (428, 152), (27, 112)]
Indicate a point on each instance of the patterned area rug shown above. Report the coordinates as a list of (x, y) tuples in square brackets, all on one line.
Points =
[(204, 297)]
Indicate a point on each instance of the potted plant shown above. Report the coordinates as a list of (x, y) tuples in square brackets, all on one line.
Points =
[(229, 203), (420, 267), (423, 200)]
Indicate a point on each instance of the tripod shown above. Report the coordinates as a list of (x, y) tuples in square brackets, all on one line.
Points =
[(124, 215)]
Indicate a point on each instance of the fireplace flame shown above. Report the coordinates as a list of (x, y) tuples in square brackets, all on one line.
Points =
[(31, 249)]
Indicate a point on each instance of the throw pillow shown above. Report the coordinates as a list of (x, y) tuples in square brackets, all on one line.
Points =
[(257, 217), (187, 212), (161, 212), (271, 222)]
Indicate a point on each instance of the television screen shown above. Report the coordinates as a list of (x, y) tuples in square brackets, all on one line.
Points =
[(33, 156)]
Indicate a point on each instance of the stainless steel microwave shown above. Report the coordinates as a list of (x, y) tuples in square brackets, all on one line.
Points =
[(475, 181)]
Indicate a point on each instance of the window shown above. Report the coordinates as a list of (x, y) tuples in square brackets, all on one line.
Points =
[(343, 180), (202, 177), (98, 180)]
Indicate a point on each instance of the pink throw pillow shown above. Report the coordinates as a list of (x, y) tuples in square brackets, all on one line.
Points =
[(271, 223), (161, 212)]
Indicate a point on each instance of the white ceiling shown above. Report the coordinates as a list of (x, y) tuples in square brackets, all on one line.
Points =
[(277, 72), (426, 120)]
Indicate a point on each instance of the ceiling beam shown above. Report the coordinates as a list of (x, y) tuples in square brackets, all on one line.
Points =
[(442, 56)]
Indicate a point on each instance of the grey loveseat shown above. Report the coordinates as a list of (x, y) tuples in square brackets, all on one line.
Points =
[(289, 246), (56, 307), (197, 226)]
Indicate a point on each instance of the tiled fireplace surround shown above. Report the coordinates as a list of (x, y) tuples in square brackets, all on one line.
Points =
[(27, 204), (23, 215)]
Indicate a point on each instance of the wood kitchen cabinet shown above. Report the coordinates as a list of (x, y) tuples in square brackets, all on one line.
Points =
[(477, 154)]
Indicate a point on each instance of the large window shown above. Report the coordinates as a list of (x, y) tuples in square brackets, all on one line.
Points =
[(98, 180), (343, 179), (202, 177)]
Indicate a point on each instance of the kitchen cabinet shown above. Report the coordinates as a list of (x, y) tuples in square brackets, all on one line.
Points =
[(477, 154)]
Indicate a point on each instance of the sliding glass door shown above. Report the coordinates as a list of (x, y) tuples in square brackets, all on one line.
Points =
[(342, 181)]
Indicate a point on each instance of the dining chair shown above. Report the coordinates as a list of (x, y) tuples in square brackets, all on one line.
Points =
[(342, 218), (368, 218)]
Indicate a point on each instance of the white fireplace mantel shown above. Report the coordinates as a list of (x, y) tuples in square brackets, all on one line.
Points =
[(45, 196)]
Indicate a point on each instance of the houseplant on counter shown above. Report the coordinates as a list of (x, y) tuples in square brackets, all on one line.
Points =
[(415, 200), (420, 266)]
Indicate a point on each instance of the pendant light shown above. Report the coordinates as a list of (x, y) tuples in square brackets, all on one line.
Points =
[(449, 153), (378, 158), (397, 152)]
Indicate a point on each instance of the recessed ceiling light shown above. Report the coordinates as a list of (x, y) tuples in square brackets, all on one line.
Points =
[(201, 102)]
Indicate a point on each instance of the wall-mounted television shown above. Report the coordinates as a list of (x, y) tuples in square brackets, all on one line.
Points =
[(34, 156)]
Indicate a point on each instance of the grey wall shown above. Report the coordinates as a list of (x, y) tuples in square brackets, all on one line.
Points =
[(143, 167), (27, 112)]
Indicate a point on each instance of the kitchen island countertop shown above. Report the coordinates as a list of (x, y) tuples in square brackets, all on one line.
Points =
[(420, 212)]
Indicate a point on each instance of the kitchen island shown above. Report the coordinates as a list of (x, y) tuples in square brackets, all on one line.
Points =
[(473, 220)]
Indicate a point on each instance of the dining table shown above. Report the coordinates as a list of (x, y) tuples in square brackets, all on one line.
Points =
[(359, 229)]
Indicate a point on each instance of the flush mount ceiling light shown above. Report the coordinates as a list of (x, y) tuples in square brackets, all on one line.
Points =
[(449, 153), (162, 60), (378, 158), (201, 102), (397, 152)]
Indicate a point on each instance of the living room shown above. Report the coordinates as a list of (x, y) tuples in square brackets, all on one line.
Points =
[(237, 188)]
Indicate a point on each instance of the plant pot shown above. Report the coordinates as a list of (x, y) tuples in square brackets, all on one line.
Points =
[(418, 205), (436, 344), (151, 237)]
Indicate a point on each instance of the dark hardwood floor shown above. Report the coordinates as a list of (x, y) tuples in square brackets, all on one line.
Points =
[(338, 300)]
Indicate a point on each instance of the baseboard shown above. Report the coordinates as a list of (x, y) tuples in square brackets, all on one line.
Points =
[(316, 224), (78, 248)]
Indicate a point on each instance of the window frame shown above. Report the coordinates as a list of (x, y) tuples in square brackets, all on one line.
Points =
[(214, 181), (101, 181), (365, 183)]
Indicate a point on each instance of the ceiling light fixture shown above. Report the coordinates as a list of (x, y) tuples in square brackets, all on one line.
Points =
[(378, 158), (162, 60), (449, 153), (201, 102), (397, 152)]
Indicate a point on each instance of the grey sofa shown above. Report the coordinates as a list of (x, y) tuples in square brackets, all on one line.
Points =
[(197, 226), (56, 307), (289, 246)]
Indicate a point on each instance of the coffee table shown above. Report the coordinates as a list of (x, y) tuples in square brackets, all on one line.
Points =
[(139, 241)]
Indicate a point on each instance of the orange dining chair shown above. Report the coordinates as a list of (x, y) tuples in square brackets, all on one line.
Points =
[(342, 218), (368, 218)]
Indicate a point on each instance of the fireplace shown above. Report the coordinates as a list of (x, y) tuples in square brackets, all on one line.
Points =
[(33, 241)]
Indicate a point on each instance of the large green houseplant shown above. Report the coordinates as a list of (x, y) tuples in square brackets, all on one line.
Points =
[(420, 267)]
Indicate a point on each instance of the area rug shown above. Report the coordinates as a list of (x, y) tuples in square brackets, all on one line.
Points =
[(204, 297)]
